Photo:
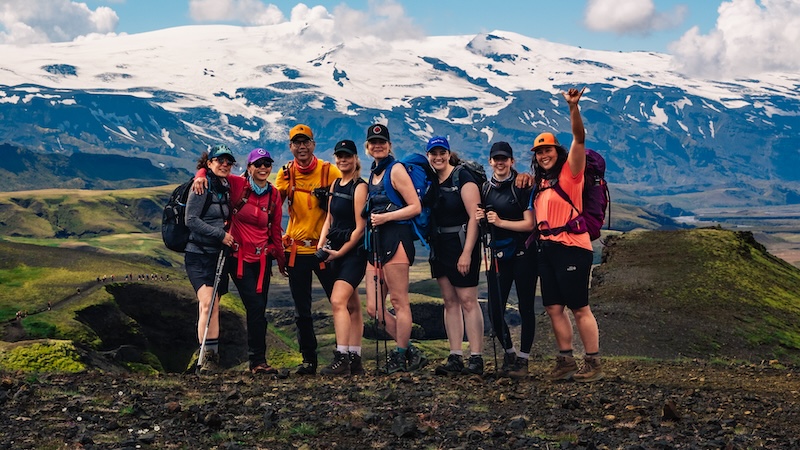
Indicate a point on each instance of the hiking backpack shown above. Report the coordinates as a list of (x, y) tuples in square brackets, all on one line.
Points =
[(596, 199), (174, 231), (478, 173), (321, 193), (425, 184)]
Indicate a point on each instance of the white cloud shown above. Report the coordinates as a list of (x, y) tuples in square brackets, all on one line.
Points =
[(386, 20), (750, 37), (630, 16), (248, 12), (38, 21)]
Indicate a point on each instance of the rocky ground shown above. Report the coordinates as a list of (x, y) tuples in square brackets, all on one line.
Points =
[(642, 404)]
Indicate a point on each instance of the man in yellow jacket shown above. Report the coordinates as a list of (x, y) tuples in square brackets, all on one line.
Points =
[(304, 183)]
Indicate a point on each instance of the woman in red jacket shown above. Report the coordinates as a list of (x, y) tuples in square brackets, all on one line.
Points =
[(256, 230)]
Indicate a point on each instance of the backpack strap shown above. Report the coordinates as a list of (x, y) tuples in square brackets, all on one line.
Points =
[(394, 197), (352, 193), (456, 175)]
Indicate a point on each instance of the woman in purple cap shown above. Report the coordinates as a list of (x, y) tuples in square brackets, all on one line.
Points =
[(341, 245), (256, 230)]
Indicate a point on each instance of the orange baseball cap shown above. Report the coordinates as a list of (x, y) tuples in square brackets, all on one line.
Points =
[(300, 130), (546, 139)]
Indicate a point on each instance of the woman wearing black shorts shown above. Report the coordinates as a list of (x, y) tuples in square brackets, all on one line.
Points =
[(455, 257), (206, 217), (508, 213), (341, 245), (391, 249)]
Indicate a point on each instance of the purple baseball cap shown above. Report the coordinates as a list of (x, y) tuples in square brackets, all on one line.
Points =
[(258, 153)]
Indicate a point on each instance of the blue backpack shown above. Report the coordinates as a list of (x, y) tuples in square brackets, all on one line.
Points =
[(425, 184)]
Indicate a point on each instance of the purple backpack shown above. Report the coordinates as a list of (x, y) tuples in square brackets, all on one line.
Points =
[(596, 199)]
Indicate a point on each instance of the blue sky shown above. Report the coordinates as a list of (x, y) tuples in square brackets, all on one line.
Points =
[(742, 35)]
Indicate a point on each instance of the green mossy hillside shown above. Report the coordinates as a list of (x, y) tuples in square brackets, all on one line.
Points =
[(698, 293)]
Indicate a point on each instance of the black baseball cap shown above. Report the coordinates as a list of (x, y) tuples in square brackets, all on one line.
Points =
[(345, 146), (378, 131), (501, 149)]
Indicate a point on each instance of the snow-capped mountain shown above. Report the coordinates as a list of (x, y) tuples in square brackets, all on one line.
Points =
[(168, 95)]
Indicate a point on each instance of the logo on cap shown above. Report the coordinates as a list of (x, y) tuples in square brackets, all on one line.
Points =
[(377, 129)]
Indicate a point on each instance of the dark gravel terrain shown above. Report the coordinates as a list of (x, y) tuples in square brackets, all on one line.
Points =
[(642, 404)]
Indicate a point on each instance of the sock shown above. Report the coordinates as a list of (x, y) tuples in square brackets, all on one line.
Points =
[(523, 355), (212, 345), (402, 351), (511, 350), (593, 355), (355, 349), (457, 352), (341, 348), (565, 353)]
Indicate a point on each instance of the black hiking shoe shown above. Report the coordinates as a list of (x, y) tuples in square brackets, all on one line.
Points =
[(509, 360), (339, 366), (519, 369), (356, 366), (453, 366), (395, 362), (308, 366), (474, 366), (415, 359)]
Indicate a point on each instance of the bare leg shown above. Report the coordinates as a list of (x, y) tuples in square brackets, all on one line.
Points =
[(473, 317), (204, 301), (562, 326), (587, 329), (340, 299), (453, 317)]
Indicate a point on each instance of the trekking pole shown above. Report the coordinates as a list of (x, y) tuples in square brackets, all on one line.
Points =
[(499, 293), (375, 257), (485, 241), (217, 277)]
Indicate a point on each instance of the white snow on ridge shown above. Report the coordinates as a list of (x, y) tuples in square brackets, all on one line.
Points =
[(202, 61)]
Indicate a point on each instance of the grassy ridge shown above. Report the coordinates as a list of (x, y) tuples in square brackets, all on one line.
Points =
[(711, 291)]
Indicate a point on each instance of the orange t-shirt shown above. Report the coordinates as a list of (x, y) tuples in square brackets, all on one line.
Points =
[(549, 207)]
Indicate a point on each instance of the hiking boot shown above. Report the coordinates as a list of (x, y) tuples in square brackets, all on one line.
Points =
[(592, 370), (210, 363), (565, 368), (339, 366), (395, 362), (474, 366), (263, 369), (453, 366), (308, 366), (509, 360), (356, 367), (415, 359), (519, 369)]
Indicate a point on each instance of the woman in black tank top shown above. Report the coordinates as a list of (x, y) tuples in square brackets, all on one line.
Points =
[(340, 244)]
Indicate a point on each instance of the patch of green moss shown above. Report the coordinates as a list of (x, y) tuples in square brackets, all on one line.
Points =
[(49, 356), (38, 329)]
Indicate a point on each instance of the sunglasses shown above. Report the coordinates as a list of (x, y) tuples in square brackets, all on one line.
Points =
[(261, 163), (225, 161)]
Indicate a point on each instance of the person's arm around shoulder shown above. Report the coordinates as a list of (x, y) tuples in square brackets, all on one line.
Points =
[(577, 151)]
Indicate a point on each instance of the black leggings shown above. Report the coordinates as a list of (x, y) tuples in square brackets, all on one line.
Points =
[(255, 305), (300, 287), (522, 271)]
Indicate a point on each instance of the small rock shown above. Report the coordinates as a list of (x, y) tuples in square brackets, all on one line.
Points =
[(147, 438), (670, 411), (173, 407), (213, 420), (518, 423), (403, 427)]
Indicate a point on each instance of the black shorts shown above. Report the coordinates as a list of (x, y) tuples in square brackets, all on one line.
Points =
[(564, 274), (351, 267), (202, 268), (389, 237), (446, 249)]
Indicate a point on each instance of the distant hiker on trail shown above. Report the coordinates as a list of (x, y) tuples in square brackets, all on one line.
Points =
[(207, 239), (391, 250), (455, 257), (256, 230), (341, 245), (565, 259), (506, 211), (304, 184)]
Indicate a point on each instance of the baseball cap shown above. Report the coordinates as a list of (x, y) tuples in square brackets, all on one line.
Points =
[(219, 150), (438, 141), (258, 153), (501, 149), (378, 131), (345, 146), (300, 130), (545, 139)]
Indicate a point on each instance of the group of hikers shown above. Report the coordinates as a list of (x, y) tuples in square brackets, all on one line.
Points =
[(346, 230)]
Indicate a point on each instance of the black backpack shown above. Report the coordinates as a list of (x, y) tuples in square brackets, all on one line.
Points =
[(478, 173), (174, 231)]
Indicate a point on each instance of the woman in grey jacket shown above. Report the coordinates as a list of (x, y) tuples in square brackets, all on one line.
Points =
[(207, 216)]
